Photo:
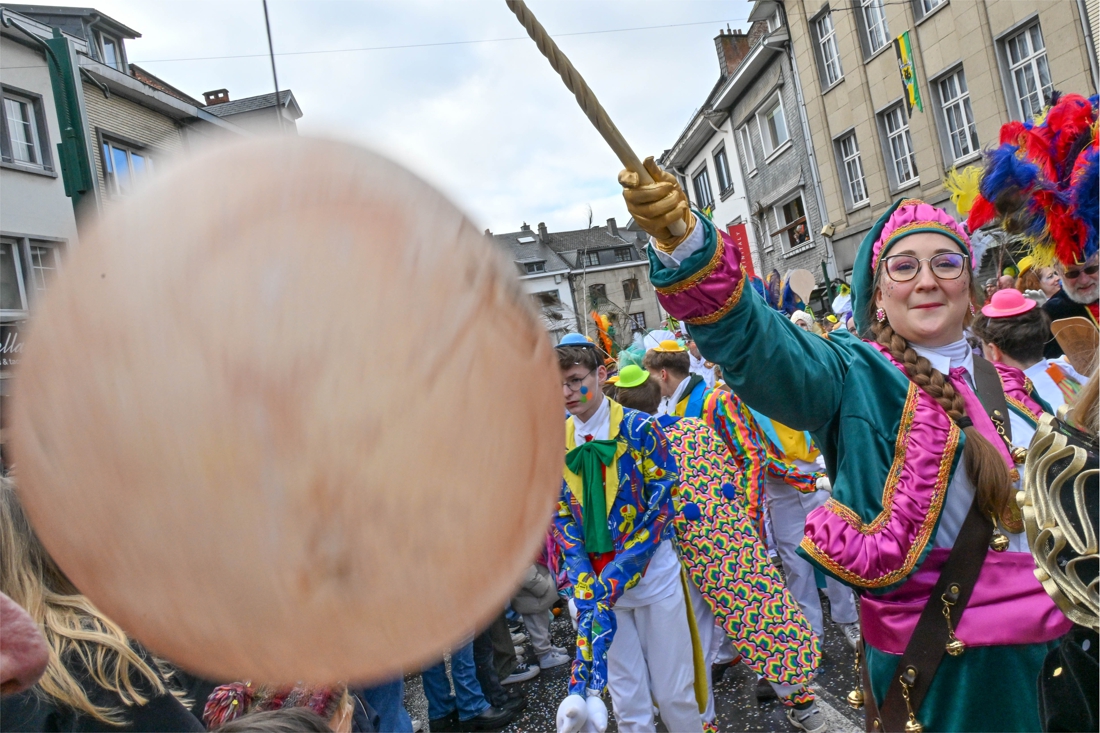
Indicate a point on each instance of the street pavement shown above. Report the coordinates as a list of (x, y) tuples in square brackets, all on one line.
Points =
[(735, 696)]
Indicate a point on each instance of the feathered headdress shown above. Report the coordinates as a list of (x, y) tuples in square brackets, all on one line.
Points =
[(1041, 182)]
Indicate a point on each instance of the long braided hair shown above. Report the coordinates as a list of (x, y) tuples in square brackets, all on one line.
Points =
[(984, 465)]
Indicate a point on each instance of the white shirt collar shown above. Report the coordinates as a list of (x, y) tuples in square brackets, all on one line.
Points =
[(667, 408), (598, 426), (945, 358)]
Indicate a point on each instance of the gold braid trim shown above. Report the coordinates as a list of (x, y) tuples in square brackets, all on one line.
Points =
[(877, 524), (717, 315), (924, 534), (703, 272), (903, 230)]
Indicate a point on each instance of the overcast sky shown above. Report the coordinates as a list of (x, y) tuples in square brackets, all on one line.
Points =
[(489, 123)]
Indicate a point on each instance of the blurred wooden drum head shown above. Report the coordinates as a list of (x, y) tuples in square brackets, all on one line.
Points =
[(288, 416)]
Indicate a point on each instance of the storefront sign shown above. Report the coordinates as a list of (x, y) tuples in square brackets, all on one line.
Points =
[(11, 345)]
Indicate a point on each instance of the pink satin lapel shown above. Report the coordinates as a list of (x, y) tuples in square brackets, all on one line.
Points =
[(977, 414), (1008, 606)]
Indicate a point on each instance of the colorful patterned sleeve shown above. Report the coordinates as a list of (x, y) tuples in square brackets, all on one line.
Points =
[(578, 568), (658, 469), (791, 475), (732, 420)]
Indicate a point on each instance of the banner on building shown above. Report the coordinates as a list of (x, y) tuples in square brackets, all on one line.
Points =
[(740, 236), (908, 73)]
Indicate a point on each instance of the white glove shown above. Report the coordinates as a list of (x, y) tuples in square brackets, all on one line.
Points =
[(577, 715), (1037, 295), (824, 484)]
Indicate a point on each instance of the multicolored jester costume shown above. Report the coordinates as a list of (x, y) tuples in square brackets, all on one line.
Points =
[(615, 509), (729, 564)]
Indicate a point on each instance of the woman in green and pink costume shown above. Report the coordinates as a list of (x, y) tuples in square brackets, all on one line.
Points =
[(906, 441)]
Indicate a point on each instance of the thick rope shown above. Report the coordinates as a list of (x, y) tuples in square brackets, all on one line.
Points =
[(580, 89)]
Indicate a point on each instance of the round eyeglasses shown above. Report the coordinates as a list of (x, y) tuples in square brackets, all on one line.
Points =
[(945, 266)]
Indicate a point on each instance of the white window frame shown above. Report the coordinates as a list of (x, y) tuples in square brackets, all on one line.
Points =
[(782, 232), (619, 251), (899, 142), (702, 175), (120, 57), (31, 284), (108, 145), (925, 7), (591, 259), (16, 314), (722, 170), (744, 143), (534, 268), (774, 21), (1034, 65), (637, 321), (35, 123), (771, 109), (829, 52), (851, 163), (957, 116), (872, 15)]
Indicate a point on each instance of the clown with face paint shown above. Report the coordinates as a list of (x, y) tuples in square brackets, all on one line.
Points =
[(614, 523)]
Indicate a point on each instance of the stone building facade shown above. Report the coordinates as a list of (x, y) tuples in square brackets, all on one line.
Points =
[(978, 64)]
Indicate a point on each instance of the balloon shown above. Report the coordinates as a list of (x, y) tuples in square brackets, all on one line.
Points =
[(286, 416)]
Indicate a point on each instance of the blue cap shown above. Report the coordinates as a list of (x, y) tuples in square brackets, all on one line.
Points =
[(576, 339)]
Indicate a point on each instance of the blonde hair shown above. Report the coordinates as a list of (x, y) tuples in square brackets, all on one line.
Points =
[(76, 633)]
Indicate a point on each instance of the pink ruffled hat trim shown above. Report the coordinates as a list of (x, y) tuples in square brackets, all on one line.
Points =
[(913, 216)]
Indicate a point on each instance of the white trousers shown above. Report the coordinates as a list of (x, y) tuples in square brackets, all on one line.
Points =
[(788, 508), (650, 661)]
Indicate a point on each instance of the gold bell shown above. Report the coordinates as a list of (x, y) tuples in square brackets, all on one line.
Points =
[(855, 698), (913, 726), (999, 543), (955, 647), (1019, 455)]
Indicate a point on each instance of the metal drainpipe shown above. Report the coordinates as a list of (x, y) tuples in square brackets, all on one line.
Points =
[(1089, 46), (814, 173)]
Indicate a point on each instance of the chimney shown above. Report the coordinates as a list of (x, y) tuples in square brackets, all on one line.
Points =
[(488, 233), (525, 227), (544, 236), (612, 227), (218, 96), (732, 47)]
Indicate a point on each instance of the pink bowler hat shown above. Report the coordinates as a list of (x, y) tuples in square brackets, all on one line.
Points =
[(1006, 303)]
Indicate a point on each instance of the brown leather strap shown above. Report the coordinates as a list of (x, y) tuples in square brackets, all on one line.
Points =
[(926, 647), (991, 393)]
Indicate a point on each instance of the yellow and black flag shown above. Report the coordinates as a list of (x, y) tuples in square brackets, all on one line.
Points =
[(908, 74)]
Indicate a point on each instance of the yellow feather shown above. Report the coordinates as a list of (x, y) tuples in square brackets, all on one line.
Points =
[(963, 186)]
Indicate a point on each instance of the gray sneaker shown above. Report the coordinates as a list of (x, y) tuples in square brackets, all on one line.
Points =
[(851, 633), (521, 673), (809, 719), (553, 659)]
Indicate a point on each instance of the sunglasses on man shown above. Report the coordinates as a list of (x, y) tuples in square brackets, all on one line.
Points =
[(1075, 273)]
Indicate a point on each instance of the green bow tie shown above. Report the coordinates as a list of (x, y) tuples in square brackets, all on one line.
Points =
[(588, 461)]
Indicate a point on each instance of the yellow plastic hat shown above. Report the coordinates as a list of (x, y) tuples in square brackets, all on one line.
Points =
[(614, 379), (1026, 263), (633, 375), (669, 346)]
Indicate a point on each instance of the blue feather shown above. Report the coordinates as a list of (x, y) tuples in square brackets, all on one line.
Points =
[(1005, 171), (1086, 199)]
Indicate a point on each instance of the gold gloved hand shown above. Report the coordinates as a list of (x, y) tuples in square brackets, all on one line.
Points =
[(657, 205)]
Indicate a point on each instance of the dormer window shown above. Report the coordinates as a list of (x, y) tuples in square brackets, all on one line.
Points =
[(533, 267), (111, 51)]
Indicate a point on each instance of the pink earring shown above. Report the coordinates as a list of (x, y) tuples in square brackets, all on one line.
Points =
[(973, 310), (880, 315)]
